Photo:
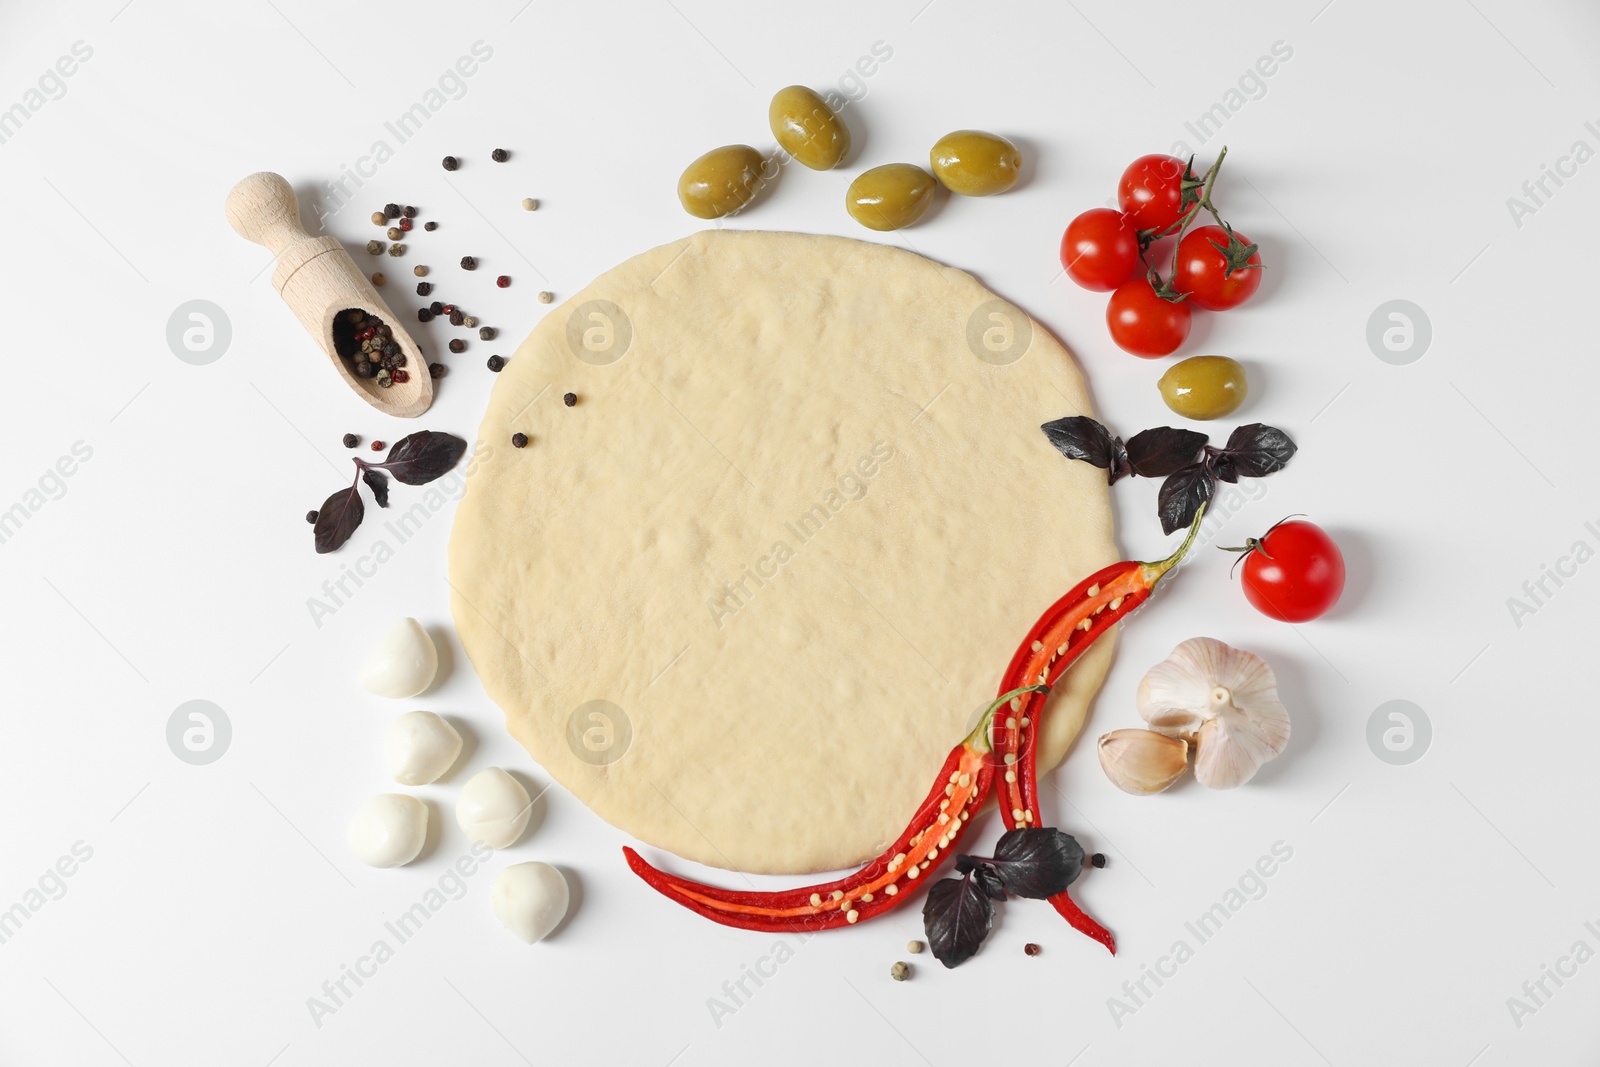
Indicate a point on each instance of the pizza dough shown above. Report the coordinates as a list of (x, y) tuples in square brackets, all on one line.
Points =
[(744, 596)]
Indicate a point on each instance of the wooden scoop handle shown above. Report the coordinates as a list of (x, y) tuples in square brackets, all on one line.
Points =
[(263, 208)]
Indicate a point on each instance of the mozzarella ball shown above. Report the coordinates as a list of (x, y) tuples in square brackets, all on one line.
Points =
[(389, 830), (530, 899), (402, 664), (493, 808), (419, 747)]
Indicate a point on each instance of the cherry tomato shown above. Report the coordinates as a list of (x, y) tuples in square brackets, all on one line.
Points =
[(1203, 270), (1100, 249), (1294, 572), (1145, 324), (1151, 191)]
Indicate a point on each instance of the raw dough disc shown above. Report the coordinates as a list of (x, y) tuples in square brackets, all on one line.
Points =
[(791, 533)]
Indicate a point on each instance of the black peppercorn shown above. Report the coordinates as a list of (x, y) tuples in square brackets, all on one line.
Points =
[(518, 440), (424, 288), (391, 211), (424, 315), (499, 155), (351, 440), (430, 226), (436, 307), (436, 370), (450, 162), (487, 333), (469, 263), (409, 212), (570, 399), (458, 345), (364, 370), (457, 318), (311, 516), (1098, 859), (495, 363)]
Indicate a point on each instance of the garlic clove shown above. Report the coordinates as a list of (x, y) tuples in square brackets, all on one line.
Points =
[(530, 899), (388, 830), (1143, 762), (403, 663), (493, 808), (1233, 745), (419, 747)]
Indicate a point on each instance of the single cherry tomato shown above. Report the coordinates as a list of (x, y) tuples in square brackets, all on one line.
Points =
[(1151, 191), (1144, 323), (1294, 572), (1100, 249), (1217, 273)]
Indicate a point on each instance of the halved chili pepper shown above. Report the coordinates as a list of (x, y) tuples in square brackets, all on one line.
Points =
[(962, 786), (1063, 632), (1055, 641)]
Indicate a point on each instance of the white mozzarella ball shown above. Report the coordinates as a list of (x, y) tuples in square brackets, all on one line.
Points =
[(530, 899), (403, 662), (493, 808), (389, 830), (419, 747)]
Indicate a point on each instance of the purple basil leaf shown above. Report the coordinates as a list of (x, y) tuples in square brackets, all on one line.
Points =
[(1181, 496), (378, 482), (1080, 437), (1223, 466), (338, 518), (1258, 449), (423, 456), (957, 917), (1037, 861), (984, 874), (1158, 452), (1120, 467)]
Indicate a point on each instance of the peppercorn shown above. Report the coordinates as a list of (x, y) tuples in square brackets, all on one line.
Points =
[(545, 298), (458, 345), (469, 322), (350, 440), (487, 333), (519, 440), (420, 270), (391, 211), (504, 281), (379, 219), (914, 947), (456, 318), (374, 247), (1031, 949), (436, 370), (436, 307), (424, 288), (409, 212), (364, 369), (377, 446), (384, 380), (530, 204), (405, 225), (570, 399), (311, 516), (900, 971), (378, 278), (469, 263), (450, 162), (1098, 859), (397, 250), (400, 376), (499, 155), (430, 226), (424, 315), (395, 233), (495, 363)]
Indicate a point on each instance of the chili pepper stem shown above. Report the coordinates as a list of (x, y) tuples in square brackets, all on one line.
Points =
[(980, 739), (1154, 571)]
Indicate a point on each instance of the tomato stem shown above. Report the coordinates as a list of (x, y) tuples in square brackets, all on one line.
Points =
[(1147, 238)]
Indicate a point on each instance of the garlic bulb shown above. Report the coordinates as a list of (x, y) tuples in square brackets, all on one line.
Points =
[(1224, 700), (1143, 762)]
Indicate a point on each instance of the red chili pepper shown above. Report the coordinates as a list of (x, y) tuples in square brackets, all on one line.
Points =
[(963, 783), (1063, 632)]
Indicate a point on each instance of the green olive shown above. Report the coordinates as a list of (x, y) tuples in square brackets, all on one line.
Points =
[(975, 163), (890, 197), (720, 182), (807, 128), (1204, 387)]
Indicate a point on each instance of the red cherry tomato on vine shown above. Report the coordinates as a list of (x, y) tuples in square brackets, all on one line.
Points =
[(1145, 324), (1294, 572), (1100, 249), (1203, 269), (1151, 191)]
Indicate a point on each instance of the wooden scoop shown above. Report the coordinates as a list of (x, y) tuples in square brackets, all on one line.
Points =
[(319, 281)]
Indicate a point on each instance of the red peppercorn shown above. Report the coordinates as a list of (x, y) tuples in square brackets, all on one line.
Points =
[(504, 281), (377, 446), (1031, 949), (399, 377), (447, 309), (405, 224)]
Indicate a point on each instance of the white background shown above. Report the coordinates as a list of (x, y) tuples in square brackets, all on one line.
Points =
[(1376, 165)]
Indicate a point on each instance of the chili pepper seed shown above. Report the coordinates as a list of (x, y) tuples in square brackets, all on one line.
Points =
[(1031, 949), (469, 263), (450, 162), (311, 516), (496, 363), (900, 971), (570, 399), (914, 947), (458, 345)]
